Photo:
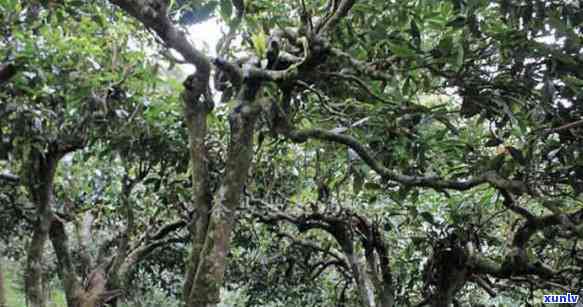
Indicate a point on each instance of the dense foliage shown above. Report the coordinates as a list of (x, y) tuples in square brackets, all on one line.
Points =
[(328, 153)]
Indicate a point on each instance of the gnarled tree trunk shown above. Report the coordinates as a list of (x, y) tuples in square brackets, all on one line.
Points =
[(107, 276), (448, 274), (209, 248), (196, 112), (211, 225), (39, 175), (363, 282)]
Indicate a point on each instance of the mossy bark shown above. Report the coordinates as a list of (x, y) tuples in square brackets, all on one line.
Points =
[(196, 112), (204, 288), (39, 173)]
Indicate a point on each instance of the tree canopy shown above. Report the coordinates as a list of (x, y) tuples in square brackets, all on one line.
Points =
[(323, 153)]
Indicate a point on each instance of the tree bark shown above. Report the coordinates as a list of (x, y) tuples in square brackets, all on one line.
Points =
[(65, 267), (39, 175), (103, 286), (363, 283), (450, 275), (39, 172), (95, 293), (116, 279), (196, 112), (208, 280), (386, 289), (379, 269)]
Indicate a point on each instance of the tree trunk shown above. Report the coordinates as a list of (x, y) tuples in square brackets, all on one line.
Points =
[(107, 277), (379, 269), (65, 266), (117, 279), (196, 112), (450, 276), (33, 283), (94, 293), (362, 281), (208, 280), (386, 289), (39, 173)]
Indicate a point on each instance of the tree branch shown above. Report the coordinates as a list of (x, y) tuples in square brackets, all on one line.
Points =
[(153, 14), (167, 229), (516, 263), (510, 203), (10, 178), (362, 67), (341, 11), (435, 182)]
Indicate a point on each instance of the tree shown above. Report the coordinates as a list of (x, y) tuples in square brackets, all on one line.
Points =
[(400, 152), (311, 52), (53, 111)]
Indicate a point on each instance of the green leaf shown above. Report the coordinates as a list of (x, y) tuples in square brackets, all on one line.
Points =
[(259, 44), (458, 22), (373, 186), (226, 10), (486, 199), (402, 51)]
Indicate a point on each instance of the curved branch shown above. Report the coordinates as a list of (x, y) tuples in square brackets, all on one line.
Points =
[(516, 263), (342, 10), (362, 67), (167, 229), (510, 203), (360, 83), (141, 253), (10, 178), (435, 182), (153, 14)]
